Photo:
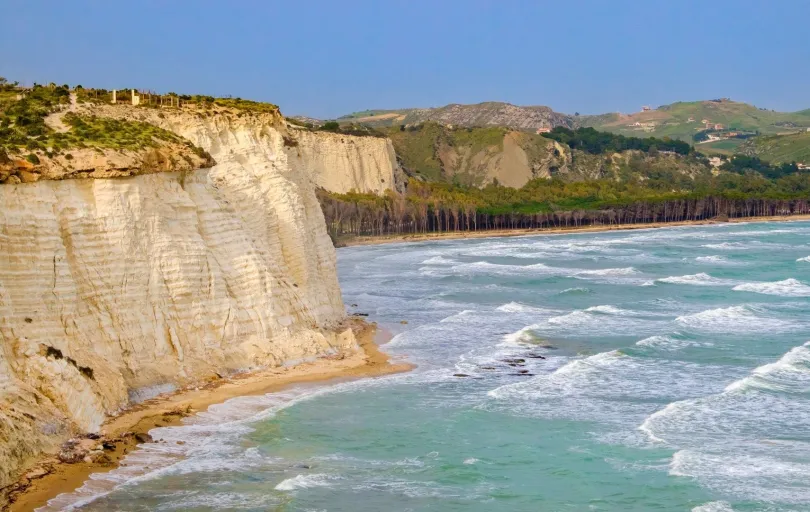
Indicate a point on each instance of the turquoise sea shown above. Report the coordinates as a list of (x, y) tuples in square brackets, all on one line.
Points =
[(651, 370)]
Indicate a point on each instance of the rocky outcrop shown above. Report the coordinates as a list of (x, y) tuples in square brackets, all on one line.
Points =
[(97, 163), (113, 290)]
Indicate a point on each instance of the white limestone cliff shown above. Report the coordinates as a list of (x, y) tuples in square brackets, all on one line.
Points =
[(342, 163), (114, 289)]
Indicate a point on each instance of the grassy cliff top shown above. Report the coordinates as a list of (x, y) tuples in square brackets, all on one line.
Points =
[(41, 119)]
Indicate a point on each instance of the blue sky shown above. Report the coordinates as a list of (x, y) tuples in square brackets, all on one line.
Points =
[(327, 58)]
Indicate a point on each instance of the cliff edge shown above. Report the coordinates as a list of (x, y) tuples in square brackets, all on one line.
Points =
[(114, 290)]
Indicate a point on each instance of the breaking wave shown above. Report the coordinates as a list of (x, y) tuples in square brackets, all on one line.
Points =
[(701, 279), (439, 260), (734, 319), (721, 260), (304, 482), (787, 288), (791, 373)]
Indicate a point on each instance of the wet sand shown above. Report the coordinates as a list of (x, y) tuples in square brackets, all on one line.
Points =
[(496, 233), (49, 477)]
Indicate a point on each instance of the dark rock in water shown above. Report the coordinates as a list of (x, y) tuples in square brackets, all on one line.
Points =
[(303, 466), (522, 374), (487, 367), (359, 314), (354, 305), (460, 375), (106, 445), (143, 438), (523, 371), (549, 347), (92, 436), (535, 356), (514, 361)]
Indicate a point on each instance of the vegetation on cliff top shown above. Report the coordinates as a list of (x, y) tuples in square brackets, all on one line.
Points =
[(23, 126)]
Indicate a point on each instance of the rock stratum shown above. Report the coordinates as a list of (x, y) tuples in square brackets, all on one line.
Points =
[(115, 289)]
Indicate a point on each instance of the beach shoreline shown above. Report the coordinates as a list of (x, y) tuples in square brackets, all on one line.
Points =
[(501, 233), (49, 477)]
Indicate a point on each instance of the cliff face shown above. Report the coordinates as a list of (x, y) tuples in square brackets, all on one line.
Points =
[(340, 163), (112, 290)]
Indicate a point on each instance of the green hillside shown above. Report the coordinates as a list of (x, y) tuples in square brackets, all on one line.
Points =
[(674, 120), (780, 148)]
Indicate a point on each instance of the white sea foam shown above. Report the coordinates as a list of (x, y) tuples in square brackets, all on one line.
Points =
[(602, 320), (439, 260), (521, 337), (791, 373), (608, 387), (712, 259), (305, 482), (748, 476), (539, 269), (471, 460), (787, 288), (743, 246), (701, 279), (743, 319), (210, 444), (670, 343), (714, 506), (516, 307), (461, 316), (578, 289), (609, 310), (806, 259), (608, 272)]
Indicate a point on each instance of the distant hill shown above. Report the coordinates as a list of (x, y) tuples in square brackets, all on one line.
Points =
[(682, 120), (490, 113), (434, 152), (779, 149), (476, 156)]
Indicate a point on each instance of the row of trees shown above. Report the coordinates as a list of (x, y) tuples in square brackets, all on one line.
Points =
[(593, 141), (741, 164), (437, 207)]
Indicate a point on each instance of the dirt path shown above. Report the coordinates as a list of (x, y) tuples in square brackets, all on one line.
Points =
[(54, 121)]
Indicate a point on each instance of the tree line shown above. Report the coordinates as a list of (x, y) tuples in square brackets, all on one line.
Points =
[(442, 207), (596, 142)]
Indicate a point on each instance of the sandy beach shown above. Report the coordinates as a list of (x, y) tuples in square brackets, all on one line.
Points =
[(495, 233), (50, 477)]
